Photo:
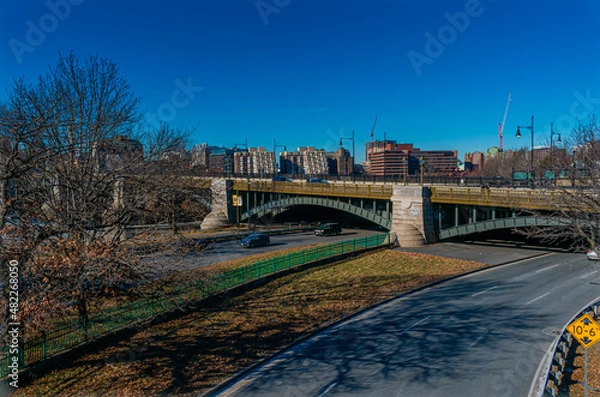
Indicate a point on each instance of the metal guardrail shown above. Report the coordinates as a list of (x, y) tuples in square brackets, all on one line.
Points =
[(561, 359), (70, 335)]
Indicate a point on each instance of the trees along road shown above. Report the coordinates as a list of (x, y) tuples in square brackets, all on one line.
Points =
[(485, 334)]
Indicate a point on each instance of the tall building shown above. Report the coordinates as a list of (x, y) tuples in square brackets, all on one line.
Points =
[(306, 160), (255, 161), (436, 162), (221, 160), (387, 158), (315, 161), (291, 163), (340, 162), (200, 155), (474, 161)]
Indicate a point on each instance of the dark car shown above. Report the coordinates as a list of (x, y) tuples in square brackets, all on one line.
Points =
[(316, 180), (255, 240), (328, 229), (281, 179)]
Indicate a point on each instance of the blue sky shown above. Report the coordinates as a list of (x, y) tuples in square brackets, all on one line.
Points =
[(436, 73)]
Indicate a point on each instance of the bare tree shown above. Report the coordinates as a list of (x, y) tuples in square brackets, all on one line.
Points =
[(71, 155), (172, 199), (573, 202), (505, 164)]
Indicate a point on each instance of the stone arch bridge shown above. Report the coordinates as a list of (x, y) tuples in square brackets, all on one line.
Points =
[(417, 214)]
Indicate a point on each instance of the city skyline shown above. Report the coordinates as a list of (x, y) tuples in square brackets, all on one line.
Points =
[(435, 74)]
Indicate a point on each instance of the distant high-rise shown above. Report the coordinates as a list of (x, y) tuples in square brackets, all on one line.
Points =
[(221, 160), (306, 160), (388, 158), (340, 162), (255, 161), (200, 155), (474, 161)]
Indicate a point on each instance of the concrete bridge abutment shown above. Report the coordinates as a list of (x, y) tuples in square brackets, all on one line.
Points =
[(221, 213), (413, 216)]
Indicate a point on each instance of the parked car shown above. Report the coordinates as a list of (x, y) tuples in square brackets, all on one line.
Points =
[(592, 255), (328, 229), (255, 240), (316, 180), (280, 178)]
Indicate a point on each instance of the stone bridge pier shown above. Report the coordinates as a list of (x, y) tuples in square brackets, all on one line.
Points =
[(413, 216), (222, 212)]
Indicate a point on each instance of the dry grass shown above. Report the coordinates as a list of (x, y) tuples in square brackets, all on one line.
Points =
[(190, 354)]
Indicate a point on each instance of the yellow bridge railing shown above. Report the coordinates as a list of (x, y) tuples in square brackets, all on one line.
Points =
[(354, 190), (497, 197)]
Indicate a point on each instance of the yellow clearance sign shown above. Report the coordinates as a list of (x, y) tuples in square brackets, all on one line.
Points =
[(585, 330), (236, 200)]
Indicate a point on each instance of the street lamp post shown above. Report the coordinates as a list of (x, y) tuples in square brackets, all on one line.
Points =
[(530, 128), (353, 153), (552, 133)]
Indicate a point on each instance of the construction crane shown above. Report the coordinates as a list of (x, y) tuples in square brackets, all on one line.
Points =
[(373, 129), (501, 124)]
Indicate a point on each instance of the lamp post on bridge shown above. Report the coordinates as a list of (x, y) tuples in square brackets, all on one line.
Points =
[(530, 128)]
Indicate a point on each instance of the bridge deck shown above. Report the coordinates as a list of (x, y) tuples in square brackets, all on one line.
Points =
[(491, 197)]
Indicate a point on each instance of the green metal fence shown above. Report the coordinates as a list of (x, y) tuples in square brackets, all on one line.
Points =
[(69, 335)]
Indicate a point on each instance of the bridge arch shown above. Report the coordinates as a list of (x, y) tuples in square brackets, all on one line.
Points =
[(495, 224), (275, 207)]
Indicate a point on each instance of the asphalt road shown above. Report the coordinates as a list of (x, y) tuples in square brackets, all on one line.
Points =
[(227, 250), (480, 335)]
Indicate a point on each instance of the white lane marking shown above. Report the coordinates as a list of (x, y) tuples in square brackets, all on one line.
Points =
[(484, 291), (546, 268), (414, 325), (589, 274), (538, 298), (331, 386)]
